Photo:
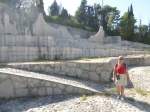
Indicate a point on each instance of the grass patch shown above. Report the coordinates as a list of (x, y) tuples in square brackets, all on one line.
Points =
[(107, 94), (98, 94), (84, 97), (140, 91), (113, 89)]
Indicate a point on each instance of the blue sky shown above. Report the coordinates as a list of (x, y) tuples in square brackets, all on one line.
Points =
[(141, 8)]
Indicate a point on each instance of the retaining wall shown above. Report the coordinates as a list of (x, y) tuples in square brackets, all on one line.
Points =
[(30, 48), (98, 70), (19, 85)]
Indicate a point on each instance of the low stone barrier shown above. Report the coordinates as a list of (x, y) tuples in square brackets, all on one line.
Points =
[(90, 69), (21, 85)]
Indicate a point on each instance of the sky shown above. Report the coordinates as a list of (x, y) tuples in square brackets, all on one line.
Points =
[(141, 8)]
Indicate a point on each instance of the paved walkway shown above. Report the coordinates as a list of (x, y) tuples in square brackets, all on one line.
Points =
[(134, 102)]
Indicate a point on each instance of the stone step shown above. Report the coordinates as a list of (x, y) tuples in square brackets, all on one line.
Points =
[(21, 83)]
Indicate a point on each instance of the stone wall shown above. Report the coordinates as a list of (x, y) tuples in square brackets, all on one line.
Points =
[(30, 48), (12, 85), (134, 44), (96, 70), (112, 39), (74, 31)]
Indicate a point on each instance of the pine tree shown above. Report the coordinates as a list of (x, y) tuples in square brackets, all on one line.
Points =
[(127, 25), (64, 14), (80, 14), (40, 7), (54, 9)]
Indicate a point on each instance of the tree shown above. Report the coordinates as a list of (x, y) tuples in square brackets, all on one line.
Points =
[(109, 18), (127, 25), (13, 3), (40, 6), (54, 9), (113, 22), (97, 9), (64, 14), (80, 14), (145, 33)]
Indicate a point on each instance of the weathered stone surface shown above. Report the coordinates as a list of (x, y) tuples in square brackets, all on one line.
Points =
[(57, 68), (85, 76), (49, 69), (105, 76), (49, 90), (7, 89), (33, 82), (79, 72), (47, 30), (19, 85), (69, 89), (41, 91), (98, 70), (63, 67), (61, 86), (85, 66), (3, 76), (99, 36), (19, 79), (22, 92), (33, 91), (48, 83), (93, 67), (112, 39), (93, 76), (80, 90), (71, 71), (36, 68), (57, 91)]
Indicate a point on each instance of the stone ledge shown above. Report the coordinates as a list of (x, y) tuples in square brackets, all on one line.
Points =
[(98, 70), (23, 84)]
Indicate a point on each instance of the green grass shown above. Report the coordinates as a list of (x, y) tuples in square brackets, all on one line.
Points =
[(107, 94), (113, 89), (84, 97), (140, 91)]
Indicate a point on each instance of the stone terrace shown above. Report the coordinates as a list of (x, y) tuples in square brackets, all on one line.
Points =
[(52, 77)]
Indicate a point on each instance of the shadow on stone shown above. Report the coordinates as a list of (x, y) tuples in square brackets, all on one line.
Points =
[(129, 84)]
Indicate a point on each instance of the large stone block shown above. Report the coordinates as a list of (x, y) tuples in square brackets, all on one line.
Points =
[(98, 37), (22, 92), (7, 89), (105, 76)]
